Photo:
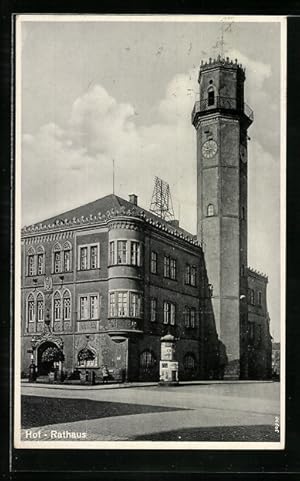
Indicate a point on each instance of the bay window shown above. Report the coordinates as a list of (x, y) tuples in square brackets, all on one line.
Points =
[(121, 252)]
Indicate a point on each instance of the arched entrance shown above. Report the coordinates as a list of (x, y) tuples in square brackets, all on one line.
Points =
[(148, 366), (49, 358)]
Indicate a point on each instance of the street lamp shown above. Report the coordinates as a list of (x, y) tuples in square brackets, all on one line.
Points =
[(32, 366)]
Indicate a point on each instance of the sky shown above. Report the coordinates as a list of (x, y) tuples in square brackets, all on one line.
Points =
[(96, 91)]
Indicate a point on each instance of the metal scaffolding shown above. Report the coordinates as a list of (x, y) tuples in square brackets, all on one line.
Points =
[(161, 202)]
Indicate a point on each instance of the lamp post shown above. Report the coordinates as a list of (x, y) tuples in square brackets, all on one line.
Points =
[(32, 366)]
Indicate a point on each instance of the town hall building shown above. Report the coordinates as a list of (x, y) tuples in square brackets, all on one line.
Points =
[(102, 283)]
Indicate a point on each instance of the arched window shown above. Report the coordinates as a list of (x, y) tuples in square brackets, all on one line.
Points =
[(40, 260), (67, 257), (87, 357), (147, 359), (210, 96), (30, 308), (57, 258), (40, 307), (31, 267), (210, 210), (189, 361), (67, 305), (57, 306)]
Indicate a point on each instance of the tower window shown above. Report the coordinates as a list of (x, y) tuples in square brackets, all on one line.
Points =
[(259, 298), (210, 210), (211, 96)]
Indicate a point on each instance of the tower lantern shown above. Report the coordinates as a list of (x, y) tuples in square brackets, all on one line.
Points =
[(221, 119)]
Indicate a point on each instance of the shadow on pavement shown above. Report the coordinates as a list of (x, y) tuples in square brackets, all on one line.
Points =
[(39, 411), (255, 433)]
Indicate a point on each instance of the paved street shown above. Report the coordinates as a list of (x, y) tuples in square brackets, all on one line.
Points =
[(196, 412)]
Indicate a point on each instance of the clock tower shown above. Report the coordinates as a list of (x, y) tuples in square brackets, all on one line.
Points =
[(221, 119)]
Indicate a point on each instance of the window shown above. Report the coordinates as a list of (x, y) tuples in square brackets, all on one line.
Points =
[(210, 210), (122, 304), (125, 303), (121, 252), (112, 253), (135, 253), (67, 261), (190, 275), (83, 258), (173, 269), (31, 265), (187, 317), (135, 304), (31, 262), (189, 361), (211, 96), (94, 307), (30, 308), (57, 307), (94, 257), (192, 317), (40, 261), (153, 262), (193, 276), (169, 313), (88, 257), (67, 306), (166, 266), (252, 297), (87, 358), (259, 298), (147, 359), (40, 264), (40, 307), (187, 274), (57, 266), (89, 306), (153, 310), (67, 257), (112, 303), (84, 307)]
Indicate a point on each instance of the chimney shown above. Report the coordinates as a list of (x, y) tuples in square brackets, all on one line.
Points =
[(133, 199)]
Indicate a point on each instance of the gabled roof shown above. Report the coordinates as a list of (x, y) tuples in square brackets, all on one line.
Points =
[(105, 204)]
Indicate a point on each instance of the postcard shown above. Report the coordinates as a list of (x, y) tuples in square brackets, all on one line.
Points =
[(150, 232)]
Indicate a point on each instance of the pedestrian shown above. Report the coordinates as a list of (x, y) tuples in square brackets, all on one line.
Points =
[(105, 374)]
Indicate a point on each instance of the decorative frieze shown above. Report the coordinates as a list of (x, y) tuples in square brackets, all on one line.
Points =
[(47, 337), (86, 326), (41, 239), (107, 218)]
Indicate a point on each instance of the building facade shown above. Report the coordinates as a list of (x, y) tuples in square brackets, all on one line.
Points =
[(101, 284), (114, 284)]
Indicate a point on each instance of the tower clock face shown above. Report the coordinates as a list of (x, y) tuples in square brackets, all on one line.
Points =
[(209, 149)]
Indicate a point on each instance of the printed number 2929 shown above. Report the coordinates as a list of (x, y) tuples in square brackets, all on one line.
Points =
[(276, 424)]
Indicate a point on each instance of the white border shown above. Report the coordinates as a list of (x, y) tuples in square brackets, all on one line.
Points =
[(18, 443)]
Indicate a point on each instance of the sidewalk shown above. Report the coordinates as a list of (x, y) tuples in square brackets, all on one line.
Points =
[(83, 387)]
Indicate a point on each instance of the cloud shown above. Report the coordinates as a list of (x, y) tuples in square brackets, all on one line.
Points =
[(66, 166)]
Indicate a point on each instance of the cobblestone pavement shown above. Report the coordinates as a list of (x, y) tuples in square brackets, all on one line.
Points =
[(187, 412)]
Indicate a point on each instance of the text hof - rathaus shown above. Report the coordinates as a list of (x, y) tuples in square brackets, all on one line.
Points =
[(102, 283)]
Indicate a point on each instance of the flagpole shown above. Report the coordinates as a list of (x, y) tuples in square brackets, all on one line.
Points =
[(113, 176)]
